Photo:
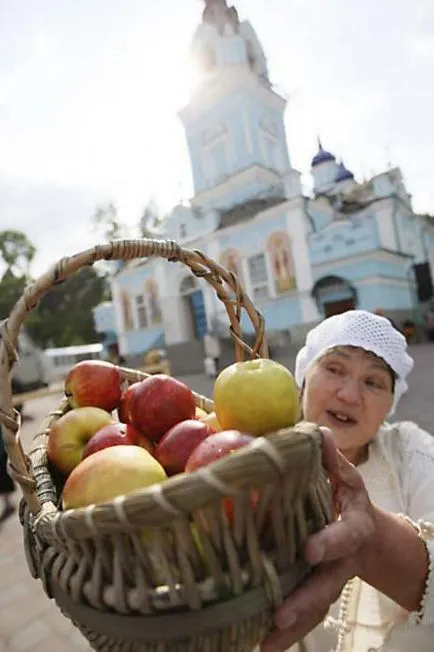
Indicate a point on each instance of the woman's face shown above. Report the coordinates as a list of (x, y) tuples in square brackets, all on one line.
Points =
[(351, 391)]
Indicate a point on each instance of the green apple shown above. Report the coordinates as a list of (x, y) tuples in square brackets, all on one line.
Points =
[(69, 435), (256, 397)]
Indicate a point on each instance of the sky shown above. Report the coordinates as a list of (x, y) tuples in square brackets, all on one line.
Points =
[(90, 89)]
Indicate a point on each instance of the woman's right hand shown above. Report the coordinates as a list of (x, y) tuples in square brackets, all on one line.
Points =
[(334, 552)]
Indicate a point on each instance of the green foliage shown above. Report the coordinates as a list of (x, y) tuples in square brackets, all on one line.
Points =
[(64, 316), (17, 252)]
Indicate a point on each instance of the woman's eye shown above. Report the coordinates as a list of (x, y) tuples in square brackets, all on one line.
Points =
[(376, 384), (334, 370)]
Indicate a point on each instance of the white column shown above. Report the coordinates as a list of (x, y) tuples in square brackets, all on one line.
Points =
[(297, 228)]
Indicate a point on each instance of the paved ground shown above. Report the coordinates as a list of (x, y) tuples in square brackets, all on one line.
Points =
[(29, 622)]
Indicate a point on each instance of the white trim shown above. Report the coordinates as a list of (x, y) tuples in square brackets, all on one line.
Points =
[(235, 181), (376, 254)]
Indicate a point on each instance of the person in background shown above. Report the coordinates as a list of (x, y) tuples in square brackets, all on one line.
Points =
[(7, 485), (372, 581), (211, 344)]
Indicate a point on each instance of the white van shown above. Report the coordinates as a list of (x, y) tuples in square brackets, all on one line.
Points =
[(58, 361)]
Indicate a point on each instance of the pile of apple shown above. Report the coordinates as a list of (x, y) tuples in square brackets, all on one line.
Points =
[(116, 440)]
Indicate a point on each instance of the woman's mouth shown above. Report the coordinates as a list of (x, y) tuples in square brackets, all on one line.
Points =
[(341, 418)]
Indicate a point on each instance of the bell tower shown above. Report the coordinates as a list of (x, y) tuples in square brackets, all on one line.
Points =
[(234, 119)]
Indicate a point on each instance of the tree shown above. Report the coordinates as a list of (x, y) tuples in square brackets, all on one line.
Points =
[(64, 317), (17, 252), (106, 216), (150, 220)]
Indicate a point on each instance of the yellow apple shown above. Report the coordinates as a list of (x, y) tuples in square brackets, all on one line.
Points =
[(69, 435), (109, 473), (256, 397)]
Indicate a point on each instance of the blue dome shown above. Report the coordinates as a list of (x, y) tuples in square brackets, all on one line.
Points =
[(322, 156), (343, 174)]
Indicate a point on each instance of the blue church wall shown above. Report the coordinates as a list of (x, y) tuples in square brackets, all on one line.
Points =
[(384, 295), (278, 314), (184, 222), (131, 279), (230, 114), (366, 269), (252, 233), (350, 238), (320, 216)]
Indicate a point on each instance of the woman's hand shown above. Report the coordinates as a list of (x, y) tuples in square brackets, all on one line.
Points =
[(335, 553)]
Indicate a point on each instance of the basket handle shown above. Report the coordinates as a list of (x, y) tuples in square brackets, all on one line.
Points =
[(225, 283)]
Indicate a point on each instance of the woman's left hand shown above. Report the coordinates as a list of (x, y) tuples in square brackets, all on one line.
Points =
[(334, 552)]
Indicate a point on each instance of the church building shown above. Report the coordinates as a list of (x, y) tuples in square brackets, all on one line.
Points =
[(300, 257)]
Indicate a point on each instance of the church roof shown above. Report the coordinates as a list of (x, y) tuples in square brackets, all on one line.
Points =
[(343, 173), (247, 210), (322, 156)]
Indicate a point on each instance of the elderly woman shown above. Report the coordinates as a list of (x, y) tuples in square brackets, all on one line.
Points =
[(372, 587)]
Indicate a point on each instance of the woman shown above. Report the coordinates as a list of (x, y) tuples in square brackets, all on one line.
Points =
[(372, 587)]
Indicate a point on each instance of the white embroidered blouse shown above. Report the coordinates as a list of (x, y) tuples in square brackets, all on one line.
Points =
[(399, 477)]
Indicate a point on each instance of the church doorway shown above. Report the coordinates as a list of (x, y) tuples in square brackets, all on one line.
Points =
[(194, 308), (336, 307), (334, 295)]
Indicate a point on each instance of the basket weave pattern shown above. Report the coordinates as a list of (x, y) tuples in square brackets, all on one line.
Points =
[(163, 569)]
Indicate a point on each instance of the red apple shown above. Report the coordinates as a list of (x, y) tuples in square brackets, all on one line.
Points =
[(125, 401), (93, 383), (111, 472), (69, 435), (159, 403), (116, 434), (214, 447), (176, 446)]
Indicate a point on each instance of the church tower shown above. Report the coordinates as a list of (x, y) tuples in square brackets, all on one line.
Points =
[(234, 120)]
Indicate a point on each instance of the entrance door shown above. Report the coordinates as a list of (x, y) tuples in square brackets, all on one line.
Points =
[(336, 307), (199, 315)]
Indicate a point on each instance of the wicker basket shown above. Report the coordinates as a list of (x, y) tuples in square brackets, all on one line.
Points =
[(195, 583)]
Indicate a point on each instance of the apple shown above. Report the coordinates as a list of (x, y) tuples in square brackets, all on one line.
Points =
[(124, 403), (69, 435), (214, 447), (176, 446), (159, 403), (116, 434), (109, 473), (256, 396), (211, 421), (93, 383)]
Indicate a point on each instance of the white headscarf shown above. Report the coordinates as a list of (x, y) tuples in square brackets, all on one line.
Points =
[(364, 330)]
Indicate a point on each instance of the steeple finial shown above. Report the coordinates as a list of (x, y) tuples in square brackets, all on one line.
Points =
[(320, 147), (218, 13)]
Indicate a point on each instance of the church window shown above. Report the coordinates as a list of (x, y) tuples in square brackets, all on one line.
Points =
[(257, 266), (182, 231), (142, 318)]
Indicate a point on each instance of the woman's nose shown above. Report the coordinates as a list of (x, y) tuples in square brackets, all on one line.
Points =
[(350, 391)]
